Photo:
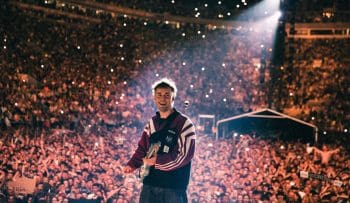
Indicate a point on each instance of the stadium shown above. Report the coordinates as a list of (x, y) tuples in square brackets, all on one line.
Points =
[(265, 83)]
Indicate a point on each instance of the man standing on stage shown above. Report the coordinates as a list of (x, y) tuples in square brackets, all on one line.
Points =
[(170, 166)]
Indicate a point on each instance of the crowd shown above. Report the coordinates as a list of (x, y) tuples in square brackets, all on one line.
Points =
[(68, 166), (90, 82)]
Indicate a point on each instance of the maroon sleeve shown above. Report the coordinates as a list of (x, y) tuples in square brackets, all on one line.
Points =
[(140, 152)]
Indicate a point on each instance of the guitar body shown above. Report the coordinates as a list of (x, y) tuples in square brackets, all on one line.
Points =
[(152, 151)]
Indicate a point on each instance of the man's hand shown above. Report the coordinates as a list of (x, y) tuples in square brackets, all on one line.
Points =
[(129, 169), (150, 162)]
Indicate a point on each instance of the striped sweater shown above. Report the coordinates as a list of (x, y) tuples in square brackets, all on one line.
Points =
[(173, 164)]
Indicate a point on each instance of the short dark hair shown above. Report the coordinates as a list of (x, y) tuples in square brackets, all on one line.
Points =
[(164, 83)]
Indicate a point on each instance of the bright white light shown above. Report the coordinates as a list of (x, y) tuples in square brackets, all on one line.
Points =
[(206, 96), (205, 5), (157, 75), (290, 93), (112, 70), (198, 32), (312, 118), (196, 9), (166, 22), (124, 84), (235, 134), (125, 16), (220, 15), (224, 99), (140, 61), (191, 86), (5, 47), (203, 68), (183, 34), (219, 2), (228, 13), (121, 45), (183, 63), (42, 66), (345, 130), (172, 1), (16, 104), (124, 24), (223, 65), (122, 58), (324, 132), (109, 82), (62, 111), (73, 82), (78, 47), (262, 46), (237, 6), (203, 36), (232, 89), (145, 23)]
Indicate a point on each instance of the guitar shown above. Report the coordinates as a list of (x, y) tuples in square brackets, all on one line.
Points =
[(152, 151)]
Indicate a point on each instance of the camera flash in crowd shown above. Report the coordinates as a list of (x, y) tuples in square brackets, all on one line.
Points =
[(16, 104), (282, 147), (219, 2), (4, 47), (345, 130), (203, 36), (312, 118), (144, 23), (121, 45), (109, 82), (112, 70), (210, 144), (205, 5), (235, 134), (172, 1), (78, 47), (324, 132), (62, 111), (183, 34), (247, 149), (224, 99)]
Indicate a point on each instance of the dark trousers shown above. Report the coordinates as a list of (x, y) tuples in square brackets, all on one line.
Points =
[(150, 194)]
